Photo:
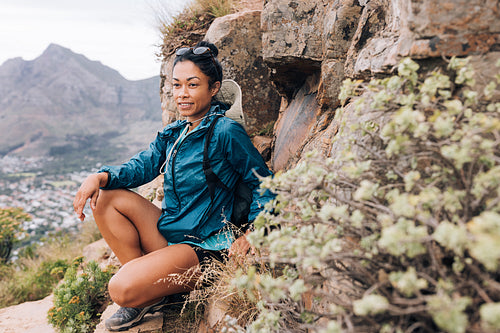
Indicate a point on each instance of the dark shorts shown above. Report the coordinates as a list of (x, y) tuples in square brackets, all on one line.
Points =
[(205, 256)]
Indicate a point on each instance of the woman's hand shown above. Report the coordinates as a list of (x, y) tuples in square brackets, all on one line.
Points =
[(89, 190), (241, 246)]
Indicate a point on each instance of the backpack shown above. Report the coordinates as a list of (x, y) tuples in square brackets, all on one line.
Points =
[(229, 92), (242, 193)]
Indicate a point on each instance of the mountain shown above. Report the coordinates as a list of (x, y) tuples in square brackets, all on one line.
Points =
[(62, 104)]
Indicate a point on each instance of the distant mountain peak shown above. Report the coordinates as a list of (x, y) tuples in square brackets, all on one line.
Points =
[(57, 52), (56, 48), (62, 93)]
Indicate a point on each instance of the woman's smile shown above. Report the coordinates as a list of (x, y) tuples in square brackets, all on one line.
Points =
[(184, 105)]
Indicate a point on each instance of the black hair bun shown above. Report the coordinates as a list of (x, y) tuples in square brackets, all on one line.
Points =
[(211, 46)]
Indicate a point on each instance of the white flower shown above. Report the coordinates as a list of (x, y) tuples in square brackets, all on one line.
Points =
[(454, 106), (485, 247), (451, 236), (365, 190), (448, 314), (407, 282), (297, 289), (490, 316), (410, 179), (329, 211), (370, 305), (331, 327)]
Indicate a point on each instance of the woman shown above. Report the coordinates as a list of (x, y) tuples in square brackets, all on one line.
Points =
[(153, 243)]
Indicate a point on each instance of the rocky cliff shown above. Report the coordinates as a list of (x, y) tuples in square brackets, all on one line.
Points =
[(291, 57)]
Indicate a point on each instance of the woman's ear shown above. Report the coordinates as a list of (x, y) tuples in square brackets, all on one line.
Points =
[(215, 88)]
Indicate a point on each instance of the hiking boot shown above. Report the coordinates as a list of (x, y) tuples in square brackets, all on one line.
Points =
[(126, 318)]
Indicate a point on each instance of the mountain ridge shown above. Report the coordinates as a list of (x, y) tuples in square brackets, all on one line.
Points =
[(63, 99)]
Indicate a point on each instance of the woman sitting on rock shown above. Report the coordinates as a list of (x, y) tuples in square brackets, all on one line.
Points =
[(151, 243)]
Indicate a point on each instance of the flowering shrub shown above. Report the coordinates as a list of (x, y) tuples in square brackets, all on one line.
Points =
[(80, 298), (11, 219), (401, 231)]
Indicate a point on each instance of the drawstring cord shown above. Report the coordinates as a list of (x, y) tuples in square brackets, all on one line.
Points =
[(171, 150)]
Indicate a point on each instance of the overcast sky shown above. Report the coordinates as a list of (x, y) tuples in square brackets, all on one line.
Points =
[(122, 34)]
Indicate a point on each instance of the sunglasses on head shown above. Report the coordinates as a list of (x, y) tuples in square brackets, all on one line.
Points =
[(199, 50), (196, 50)]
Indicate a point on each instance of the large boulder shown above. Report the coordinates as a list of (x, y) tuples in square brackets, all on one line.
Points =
[(238, 37), (311, 46)]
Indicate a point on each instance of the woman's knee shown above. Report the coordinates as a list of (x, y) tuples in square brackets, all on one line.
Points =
[(124, 291), (105, 200)]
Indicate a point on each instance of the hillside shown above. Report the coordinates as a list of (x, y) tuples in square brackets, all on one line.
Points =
[(61, 103), (384, 137)]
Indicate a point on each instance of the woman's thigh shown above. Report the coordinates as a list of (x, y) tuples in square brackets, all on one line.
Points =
[(116, 208), (152, 276)]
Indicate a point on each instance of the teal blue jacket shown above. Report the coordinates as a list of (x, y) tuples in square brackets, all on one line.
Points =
[(187, 213)]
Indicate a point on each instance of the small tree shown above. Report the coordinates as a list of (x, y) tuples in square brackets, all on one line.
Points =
[(11, 219), (400, 232)]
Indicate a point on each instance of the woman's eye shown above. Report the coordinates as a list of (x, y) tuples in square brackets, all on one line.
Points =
[(193, 85), (176, 85)]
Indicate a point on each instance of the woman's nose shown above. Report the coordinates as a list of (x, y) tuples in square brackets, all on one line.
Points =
[(184, 91)]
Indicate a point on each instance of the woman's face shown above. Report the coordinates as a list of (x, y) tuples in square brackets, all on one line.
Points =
[(191, 90)]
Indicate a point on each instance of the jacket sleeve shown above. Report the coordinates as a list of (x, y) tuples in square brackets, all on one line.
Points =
[(140, 169), (247, 161)]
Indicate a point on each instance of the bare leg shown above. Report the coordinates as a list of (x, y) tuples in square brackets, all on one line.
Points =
[(145, 280), (127, 221)]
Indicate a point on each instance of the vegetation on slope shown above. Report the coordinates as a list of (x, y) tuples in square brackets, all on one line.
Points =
[(401, 231), (189, 27), (41, 266)]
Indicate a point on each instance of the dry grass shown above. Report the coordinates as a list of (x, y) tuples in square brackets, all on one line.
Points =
[(216, 279), (213, 286)]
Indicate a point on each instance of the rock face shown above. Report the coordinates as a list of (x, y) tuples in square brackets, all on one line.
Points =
[(291, 41), (334, 40), (307, 48)]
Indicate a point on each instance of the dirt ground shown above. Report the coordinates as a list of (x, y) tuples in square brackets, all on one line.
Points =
[(29, 317)]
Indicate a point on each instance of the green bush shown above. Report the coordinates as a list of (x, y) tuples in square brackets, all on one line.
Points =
[(400, 232), (80, 298), (11, 219)]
